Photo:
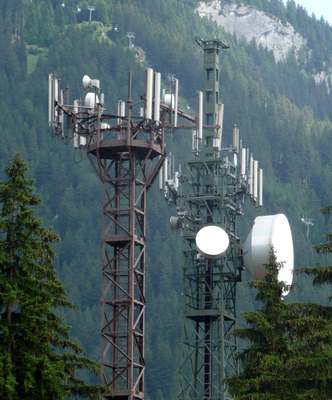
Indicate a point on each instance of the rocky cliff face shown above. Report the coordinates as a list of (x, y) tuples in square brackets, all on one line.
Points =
[(251, 24)]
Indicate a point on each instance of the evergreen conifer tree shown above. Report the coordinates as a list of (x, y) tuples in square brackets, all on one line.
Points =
[(289, 347), (263, 357), (38, 360)]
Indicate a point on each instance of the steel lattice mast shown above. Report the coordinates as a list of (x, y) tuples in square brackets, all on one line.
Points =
[(126, 150), (213, 191)]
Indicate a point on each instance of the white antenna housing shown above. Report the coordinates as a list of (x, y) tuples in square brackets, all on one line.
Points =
[(212, 241), (149, 93), (194, 141), (260, 194), (169, 100), (121, 110), (56, 90), (251, 176), (161, 178), (243, 162), (91, 100), (235, 160), (199, 116), (270, 232), (165, 170), (255, 180), (62, 115), (176, 180), (220, 121), (236, 139), (88, 83), (157, 87), (50, 99), (82, 140), (176, 101)]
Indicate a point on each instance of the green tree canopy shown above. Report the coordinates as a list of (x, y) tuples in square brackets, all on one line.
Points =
[(37, 358), (288, 349)]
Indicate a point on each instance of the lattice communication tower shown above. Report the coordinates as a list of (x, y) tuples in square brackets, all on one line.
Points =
[(211, 192), (127, 149)]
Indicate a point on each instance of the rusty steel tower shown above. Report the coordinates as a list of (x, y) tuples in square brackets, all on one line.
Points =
[(126, 149)]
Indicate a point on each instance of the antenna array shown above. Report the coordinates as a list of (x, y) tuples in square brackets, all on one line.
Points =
[(237, 158)]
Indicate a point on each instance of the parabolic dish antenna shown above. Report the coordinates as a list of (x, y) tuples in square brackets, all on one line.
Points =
[(270, 231), (86, 81), (212, 241)]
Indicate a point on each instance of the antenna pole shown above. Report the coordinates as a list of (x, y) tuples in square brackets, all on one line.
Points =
[(211, 102), (130, 105), (91, 10)]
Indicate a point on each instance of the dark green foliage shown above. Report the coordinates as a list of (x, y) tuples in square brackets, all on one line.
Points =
[(288, 354), (264, 357), (38, 360), (323, 275)]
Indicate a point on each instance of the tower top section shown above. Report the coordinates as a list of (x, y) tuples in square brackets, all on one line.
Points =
[(212, 106), (215, 44)]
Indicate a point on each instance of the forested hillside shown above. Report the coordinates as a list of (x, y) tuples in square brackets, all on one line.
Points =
[(283, 115)]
